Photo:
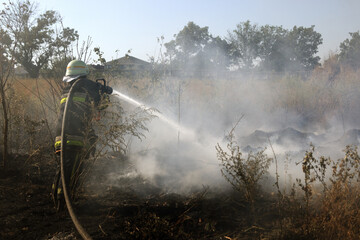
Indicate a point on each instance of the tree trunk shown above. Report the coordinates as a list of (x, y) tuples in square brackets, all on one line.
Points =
[(5, 127), (33, 71)]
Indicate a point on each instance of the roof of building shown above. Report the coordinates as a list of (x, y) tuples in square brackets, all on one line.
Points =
[(20, 70), (127, 60)]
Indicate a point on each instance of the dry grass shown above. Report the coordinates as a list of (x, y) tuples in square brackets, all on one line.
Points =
[(31, 116), (324, 204), (332, 213)]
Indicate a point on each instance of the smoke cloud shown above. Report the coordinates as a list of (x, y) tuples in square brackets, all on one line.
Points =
[(282, 113)]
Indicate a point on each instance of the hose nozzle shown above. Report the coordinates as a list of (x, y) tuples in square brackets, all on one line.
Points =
[(107, 89), (103, 87)]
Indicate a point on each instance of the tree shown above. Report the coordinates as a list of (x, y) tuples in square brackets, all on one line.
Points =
[(217, 52), (188, 43), (191, 40), (6, 69), (34, 38), (304, 42), (274, 48), (194, 49), (245, 41), (350, 51)]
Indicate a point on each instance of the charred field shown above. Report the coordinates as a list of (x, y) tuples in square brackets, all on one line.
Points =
[(135, 210), (131, 206)]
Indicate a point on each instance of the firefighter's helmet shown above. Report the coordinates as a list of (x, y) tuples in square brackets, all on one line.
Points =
[(77, 68)]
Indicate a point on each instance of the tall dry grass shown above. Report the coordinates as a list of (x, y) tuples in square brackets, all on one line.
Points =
[(32, 115)]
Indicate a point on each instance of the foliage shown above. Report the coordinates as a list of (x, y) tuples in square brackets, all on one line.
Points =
[(33, 39), (191, 39), (304, 42), (29, 118), (326, 206), (245, 43), (194, 50), (274, 48), (336, 208), (6, 70), (242, 173), (249, 46), (217, 50), (346, 171), (116, 127), (350, 51)]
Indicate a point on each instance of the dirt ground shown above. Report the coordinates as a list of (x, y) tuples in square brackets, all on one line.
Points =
[(133, 209)]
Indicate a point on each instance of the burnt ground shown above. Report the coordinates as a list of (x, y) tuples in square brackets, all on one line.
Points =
[(134, 209)]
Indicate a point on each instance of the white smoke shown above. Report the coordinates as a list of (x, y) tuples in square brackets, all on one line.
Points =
[(181, 155)]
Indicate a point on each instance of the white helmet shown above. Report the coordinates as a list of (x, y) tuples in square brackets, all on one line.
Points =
[(75, 69)]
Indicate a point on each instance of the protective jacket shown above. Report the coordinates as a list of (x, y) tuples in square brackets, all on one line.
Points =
[(80, 112), (79, 135)]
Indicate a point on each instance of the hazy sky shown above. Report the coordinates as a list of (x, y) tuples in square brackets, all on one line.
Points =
[(123, 25)]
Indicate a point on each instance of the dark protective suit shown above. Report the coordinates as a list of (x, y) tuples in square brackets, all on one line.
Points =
[(79, 135)]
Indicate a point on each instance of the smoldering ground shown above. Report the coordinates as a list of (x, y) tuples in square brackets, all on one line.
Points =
[(281, 113)]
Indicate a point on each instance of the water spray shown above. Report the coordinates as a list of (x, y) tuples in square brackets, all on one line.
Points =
[(188, 134), (168, 121)]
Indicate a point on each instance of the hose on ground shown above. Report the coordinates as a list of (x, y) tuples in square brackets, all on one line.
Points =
[(68, 202)]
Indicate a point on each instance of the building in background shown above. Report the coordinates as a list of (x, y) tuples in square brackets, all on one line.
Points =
[(128, 66)]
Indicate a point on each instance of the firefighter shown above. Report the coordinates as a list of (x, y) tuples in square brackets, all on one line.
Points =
[(80, 138)]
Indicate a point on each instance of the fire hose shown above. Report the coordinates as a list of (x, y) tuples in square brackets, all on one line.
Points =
[(68, 202), (79, 228)]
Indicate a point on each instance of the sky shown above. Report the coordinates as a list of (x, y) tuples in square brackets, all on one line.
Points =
[(119, 26)]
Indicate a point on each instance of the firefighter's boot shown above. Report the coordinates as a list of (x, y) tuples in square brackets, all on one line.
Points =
[(60, 200)]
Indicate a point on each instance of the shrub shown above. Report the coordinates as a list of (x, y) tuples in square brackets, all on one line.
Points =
[(242, 173)]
